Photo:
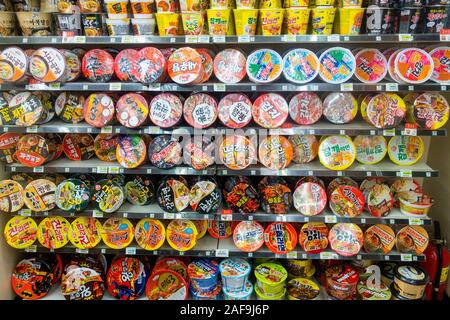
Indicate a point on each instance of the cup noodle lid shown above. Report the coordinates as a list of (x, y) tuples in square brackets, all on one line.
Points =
[(300, 66), (235, 110), (337, 65), (164, 152), (230, 66), (371, 66), (405, 150), (24, 109), (431, 110), (237, 152), (305, 108), (310, 198), (242, 197), (150, 65), (248, 236), (125, 65), (305, 148), (346, 239), (166, 110), (97, 65), (271, 273), (207, 56), (13, 64), (337, 152), (370, 149), (340, 181), (32, 278), (72, 195), (48, 65), (78, 146), (367, 292), (185, 66), (264, 66), (132, 110), (270, 110), (166, 285), (82, 283), (117, 233), (414, 65), (275, 152), (73, 65), (280, 237), (412, 239), (386, 110), (313, 237), (107, 195), (392, 56), (403, 185), (69, 107), (205, 197), (340, 107), (203, 269), (303, 289), (234, 267), (441, 58), (275, 197), (200, 110), (20, 232), (379, 201), (105, 146), (11, 199), (150, 234), (98, 110), (221, 229), (173, 194), (343, 274), (347, 201), (85, 232), (39, 195), (379, 238), (181, 235), (131, 151), (53, 232)]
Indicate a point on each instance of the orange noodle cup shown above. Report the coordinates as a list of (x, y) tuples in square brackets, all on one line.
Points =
[(349, 21), (139, 7), (271, 21), (218, 21), (246, 4), (270, 4), (296, 20), (322, 19), (245, 21), (193, 23), (296, 3), (168, 23), (116, 8), (167, 6)]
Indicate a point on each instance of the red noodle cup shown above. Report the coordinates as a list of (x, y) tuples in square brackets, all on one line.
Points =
[(105, 146), (235, 110), (414, 65), (125, 65), (207, 62), (280, 237), (313, 237), (97, 65), (150, 65), (200, 110), (371, 66), (305, 148), (78, 146), (270, 110), (340, 181), (341, 281), (275, 152), (164, 152), (346, 239), (229, 66), (200, 153), (132, 110), (8, 143), (310, 198), (185, 66), (441, 62), (305, 108), (237, 152), (167, 6), (33, 150), (347, 201), (430, 111), (166, 110), (98, 110), (386, 110), (340, 107)]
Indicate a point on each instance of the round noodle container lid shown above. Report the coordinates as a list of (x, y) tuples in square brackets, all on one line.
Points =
[(31, 279), (386, 110), (313, 237), (368, 293), (248, 236), (97, 65), (200, 153), (173, 264), (235, 110), (24, 109), (370, 149), (414, 65), (337, 65), (132, 110), (173, 194), (13, 64), (431, 110), (117, 233), (164, 152), (20, 232), (305, 108), (166, 110), (343, 274), (347, 201), (340, 107), (310, 198), (405, 150), (234, 267), (346, 239), (337, 160), (107, 196), (78, 146), (379, 238), (73, 65), (270, 110), (47, 65), (11, 199), (275, 197), (412, 239), (230, 66), (264, 66), (69, 107), (202, 228), (125, 65), (150, 234), (270, 274), (371, 66), (85, 232), (221, 229), (98, 110), (275, 152), (440, 56), (130, 287), (303, 289), (48, 106), (32, 150), (105, 146), (300, 66), (411, 274), (340, 181), (139, 190), (53, 232), (305, 148), (391, 67), (72, 195), (207, 62), (185, 66), (237, 152), (82, 283), (280, 237), (166, 285), (8, 143), (242, 198), (205, 197), (39, 195), (181, 235), (363, 105), (131, 151), (200, 110), (150, 65)]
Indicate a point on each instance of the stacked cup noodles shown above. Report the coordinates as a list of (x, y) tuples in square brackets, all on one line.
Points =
[(188, 66)]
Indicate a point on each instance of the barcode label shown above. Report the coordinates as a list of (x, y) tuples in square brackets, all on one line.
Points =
[(82, 251), (406, 174), (130, 250), (32, 248), (389, 132), (154, 87), (219, 87), (169, 216), (203, 39), (191, 39), (415, 221), (289, 38), (391, 86), (328, 255), (114, 170), (32, 129), (347, 87), (405, 37), (115, 86), (54, 86), (25, 213), (222, 253), (330, 219)]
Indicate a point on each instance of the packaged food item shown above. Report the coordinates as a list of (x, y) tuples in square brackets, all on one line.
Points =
[(429, 111), (164, 152), (275, 195), (349, 20), (235, 110), (132, 110), (296, 20), (237, 152), (207, 56), (379, 200), (305, 108), (125, 65), (72, 195), (69, 107), (245, 21), (13, 64), (386, 110), (310, 198), (337, 65), (412, 239), (403, 187), (139, 190), (185, 66), (53, 232), (248, 236), (230, 66), (340, 107), (347, 201), (322, 20), (98, 110), (305, 148), (166, 110), (200, 110), (245, 294), (264, 66), (32, 150), (85, 232), (173, 194), (39, 195), (410, 281), (166, 285), (370, 149), (275, 152), (302, 289), (300, 66), (234, 274), (20, 232), (313, 237), (371, 66), (169, 23), (105, 146), (280, 237), (240, 195), (78, 146), (270, 110), (340, 181), (299, 268), (205, 197), (150, 234), (11, 199), (131, 151), (213, 294), (204, 274), (219, 21), (405, 150), (270, 280), (441, 71), (82, 283), (107, 196), (8, 143), (337, 152), (32, 278), (379, 238), (415, 204), (172, 264), (24, 109), (181, 235), (341, 280), (150, 65), (131, 286), (117, 233), (47, 65), (414, 65), (346, 239), (220, 229), (97, 65)]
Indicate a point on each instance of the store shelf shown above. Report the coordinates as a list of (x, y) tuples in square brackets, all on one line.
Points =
[(56, 294), (383, 169), (357, 127), (385, 38)]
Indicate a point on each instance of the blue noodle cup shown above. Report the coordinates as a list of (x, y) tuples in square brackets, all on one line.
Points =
[(234, 272)]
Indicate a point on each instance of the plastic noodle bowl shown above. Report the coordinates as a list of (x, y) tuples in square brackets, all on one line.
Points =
[(337, 65), (270, 281), (410, 281), (234, 274), (245, 294), (300, 66), (203, 274), (303, 289)]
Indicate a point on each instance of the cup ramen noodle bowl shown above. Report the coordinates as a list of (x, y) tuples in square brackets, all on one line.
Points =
[(97, 65), (173, 194), (391, 66), (379, 201), (220, 229), (166, 285), (13, 64), (202, 227), (132, 110), (116, 8), (429, 111), (347, 201), (305, 148), (207, 56), (39, 195), (85, 232), (275, 196), (337, 65), (173, 264), (245, 294), (214, 294), (82, 283), (337, 152), (371, 66), (370, 149), (140, 191), (270, 279), (264, 66), (237, 152), (131, 151), (386, 110), (164, 152), (340, 181), (78, 146), (230, 66), (33, 150), (150, 234), (305, 108), (313, 237), (240, 195), (105, 146), (235, 110), (341, 281), (133, 285), (166, 110), (203, 274), (310, 198), (125, 65), (234, 274), (346, 239), (72, 195), (299, 268), (379, 239), (410, 281), (98, 110), (73, 65), (322, 19), (296, 20), (441, 71), (117, 233), (69, 107), (181, 235), (11, 199), (205, 197), (302, 289), (24, 109), (404, 186), (150, 65), (270, 21), (107, 196), (219, 21), (405, 150), (200, 110), (412, 239), (20, 232), (270, 110), (8, 142), (340, 107), (185, 66), (300, 66), (53, 232), (32, 278), (280, 237), (414, 65), (309, 179), (248, 236), (275, 152)]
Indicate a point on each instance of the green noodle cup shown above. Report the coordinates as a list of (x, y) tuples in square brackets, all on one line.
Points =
[(270, 279), (260, 296)]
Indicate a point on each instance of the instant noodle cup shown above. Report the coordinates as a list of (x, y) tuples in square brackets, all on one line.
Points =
[(261, 296), (441, 63), (164, 152), (310, 179), (264, 66), (143, 26), (73, 65), (139, 191), (322, 20), (219, 21), (341, 281), (94, 24), (97, 65), (346, 239), (207, 56), (409, 282), (8, 143), (39, 195), (299, 268), (340, 107), (32, 150), (20, 232), (240, 195), (234, 273), (220, 229), (367, 291), (349, 21), (369, 183), (166, 110), (393, 74), (230, 66), (168, 24), (364, 102), (245, 21), (235, 110), (415, 204), (271, 21), (270, 110), (32, 278), (47, 65), (337, 152), (181, 235), (227, 4), (173, 195), (245, 294), (69, 107), (167, 6), (305, 108), (117, 233), (150, 65), (337, 65), (78, 146), (275, 195), (173, 264), (185, 66), (72, 195), (280, 237), (370, 149), (85, 232), (35, 24), (205, 197), (13, 64), (105, 146), (107, 196), (386, 110), (429, 111), (132, 110), (409, 20), (275, 152), (300, 66), (296, 20), (347, 201), (350, 3), (270, 280), (116, 8), (412, 239), (193, 23), (204, 274), (202, 228), (403, 187), (313, 237), (200, 110), (248, 236), (128, 287), (193, 5), (142, 7), (53, 232), (379, 201), (131, 151), (82, 283), (435, 18), (371, 66), (237, 152), (302, 289), (405, 150), (24, 109), (150, 234), (414, 65), (166, 285), (379, 238), (199, 153), (305, 148), (125, 65), (270, 4), (310, 198), (213, 294)]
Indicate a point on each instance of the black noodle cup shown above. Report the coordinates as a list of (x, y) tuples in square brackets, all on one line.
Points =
[(409, 19), (94, 24), (435, 18), (382, 3), (409, 3), (381, 20), (68, 25)]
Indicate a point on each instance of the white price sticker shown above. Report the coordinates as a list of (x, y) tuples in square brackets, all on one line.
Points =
[(333, 38), (66, 170), (310, 173), (226, 217), (97, 214), (379, 88), (149, 171), (222, 253), (250, 254), (106, 129), (24, 40), (82, 251), (358, 257), (406, 173), (32, 129), (313, 38), (125, 215), (250, 218), (406, 257), (428, 174), (38, 169), (410, 88), (169, 216), (130, 250), (391, 86), (116, 86), (191, 39), (292, 255), (127, 39), (410, 132), (244, 38), (387, 258), (347, 87), (339, 173), (103, 251), (102, 169), (289, 38), (363, 220), (218, 39), (369, 173), (220, 87), (154, 87), (32, 248), (330, 219), (203, 39), (415, 222), (79, 39), (443, 88)]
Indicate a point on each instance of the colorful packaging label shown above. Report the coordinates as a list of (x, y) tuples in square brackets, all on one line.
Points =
[(185, 66), (270, 273), (379, 238), (303, 289), (173, 195), (310, 198), (379, 201), (126, 278), (131, 151), (172, 264), (430, 111), (181, 235), (280, 237), (13, 64), (39, 195), (264, 66), (166, 285), (401, 186), (105, 146), (32, 279), (313, 237), (24, 109), (340, 107), (405, 150), (164, 152), (69, 107), (117, 233), (386, 110), (81, 283), (371, 66), (237, 152), (150, 65), (305, 108), (11, 199), (108, 196), (229, 66), (98, 110), (200, 110), (370, 149), (340, 181), (300, 66), (270, 110), (97, 65), (414, 65), (205, 197), (347, 201), (441, 62), (85, 232), (78, 146), (150, 234), (242, 197), (220, 229), (275, 152), (166, 110), (337, 65), (346, 239), (248, 236), (53, 232), (305, 147), (20, 232), (72, 195), (132, 110), (412, 239), (337, 152), (275, 197)]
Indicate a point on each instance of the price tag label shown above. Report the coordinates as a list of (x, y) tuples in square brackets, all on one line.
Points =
[(387, 258), (378, 38), (38, 169), (203, 39), (444, 35), (363, 220), (333, 38), (250, 254), (310, 173), (406, 173), (391, 221), (218, 39), (405, 37), (180, 171), (428, 174), (391, 86), (130, 250), (31, 249), (82, 251), (151, 215), (292, 255), (191, 39), (347, 87), (406, 257), (106, 129), (250, 218), (54, 86), (169, 216), (207, 253), (379, 88), (114, 170), (289, 38), (112, 40), (79, 39), (222, 253), (125, 215), (154, 87), (25, 213), (330, 219), (45, 213), (149, 171), (24, 40), (115, 86), (226, 217), (313, 38), (339, 173), (97, 214), (389, 132), (415, 222), (173, 40), (85, 87), (102, 169), (127, 39), (410, 132), (244, 38), (369, 173), (346, 38), (32, 129), (328, 256), (443, 88), (103, 251), (220, 87), (410, 88)]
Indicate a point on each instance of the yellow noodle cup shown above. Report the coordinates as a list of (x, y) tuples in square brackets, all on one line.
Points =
[(322, 2), (192, 5), (193, 23), (350, 3), (322, 19), (246, 4), (218, 21), (271, 21), (296, 3), (225, 4), (296, 20), (349, 21), (270, 4), (168, 23), (245, 21)]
